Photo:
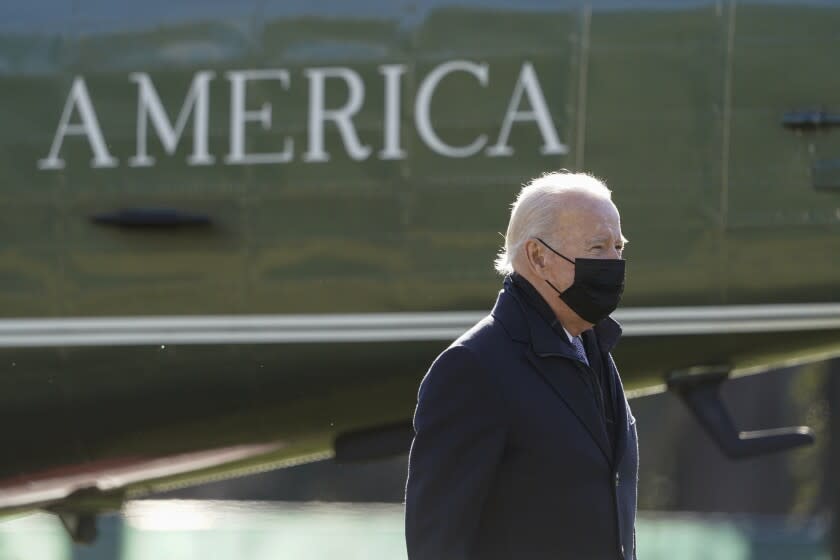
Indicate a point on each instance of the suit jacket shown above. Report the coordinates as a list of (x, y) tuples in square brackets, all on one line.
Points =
[(511, 457)]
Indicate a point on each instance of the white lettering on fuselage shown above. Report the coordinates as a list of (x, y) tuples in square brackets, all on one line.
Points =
[(196, 107), (89, 127), (318, 114), (239, 116), (392, 73), (150, 108), (423, 105), (539, 114)]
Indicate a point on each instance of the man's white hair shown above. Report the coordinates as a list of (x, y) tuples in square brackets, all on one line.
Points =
[(534, 213)]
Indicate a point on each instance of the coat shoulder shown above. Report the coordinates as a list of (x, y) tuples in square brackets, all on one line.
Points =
[(488, 342), (462, 374), (485, 336)]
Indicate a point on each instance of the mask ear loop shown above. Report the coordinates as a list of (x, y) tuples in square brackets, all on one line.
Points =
[(553, 287), (555, 252)]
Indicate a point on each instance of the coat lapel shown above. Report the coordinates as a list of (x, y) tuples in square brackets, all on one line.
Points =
[(606, 334), (566, 379), (622, 418), (605, 378), (602, 362)]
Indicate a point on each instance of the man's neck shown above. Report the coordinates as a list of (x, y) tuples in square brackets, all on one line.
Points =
[(535, 298), (567, 318)]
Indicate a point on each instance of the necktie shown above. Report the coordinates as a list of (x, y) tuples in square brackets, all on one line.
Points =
[(579, 351)]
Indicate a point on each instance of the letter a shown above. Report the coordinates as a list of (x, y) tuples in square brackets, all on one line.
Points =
[(89, 127), (528, 83)]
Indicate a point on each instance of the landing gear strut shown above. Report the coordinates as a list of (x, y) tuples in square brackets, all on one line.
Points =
[(699, 389), (78, 511), (80, 526)]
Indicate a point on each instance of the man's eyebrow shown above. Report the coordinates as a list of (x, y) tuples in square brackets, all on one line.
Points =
[(604, 239)]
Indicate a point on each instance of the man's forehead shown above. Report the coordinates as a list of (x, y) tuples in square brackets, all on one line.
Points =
[(589, 216), (575, 203), (588, 225)]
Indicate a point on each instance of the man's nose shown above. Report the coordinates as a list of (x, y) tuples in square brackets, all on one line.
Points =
[(614, 253)]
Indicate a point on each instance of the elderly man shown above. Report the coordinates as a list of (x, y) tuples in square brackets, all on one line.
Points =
[(525, 447)]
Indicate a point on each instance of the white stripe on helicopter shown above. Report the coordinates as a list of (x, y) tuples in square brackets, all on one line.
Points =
[(390, 327)]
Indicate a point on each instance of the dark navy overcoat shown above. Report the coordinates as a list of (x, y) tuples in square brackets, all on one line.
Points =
[(511, 457)]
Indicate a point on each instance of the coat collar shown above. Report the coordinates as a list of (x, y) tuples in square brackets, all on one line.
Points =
[(528, 318)]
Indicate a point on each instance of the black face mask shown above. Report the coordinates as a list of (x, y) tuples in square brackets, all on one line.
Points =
[(597, 287)]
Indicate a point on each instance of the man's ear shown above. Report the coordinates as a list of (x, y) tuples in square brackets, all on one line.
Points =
[(535, 255)]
